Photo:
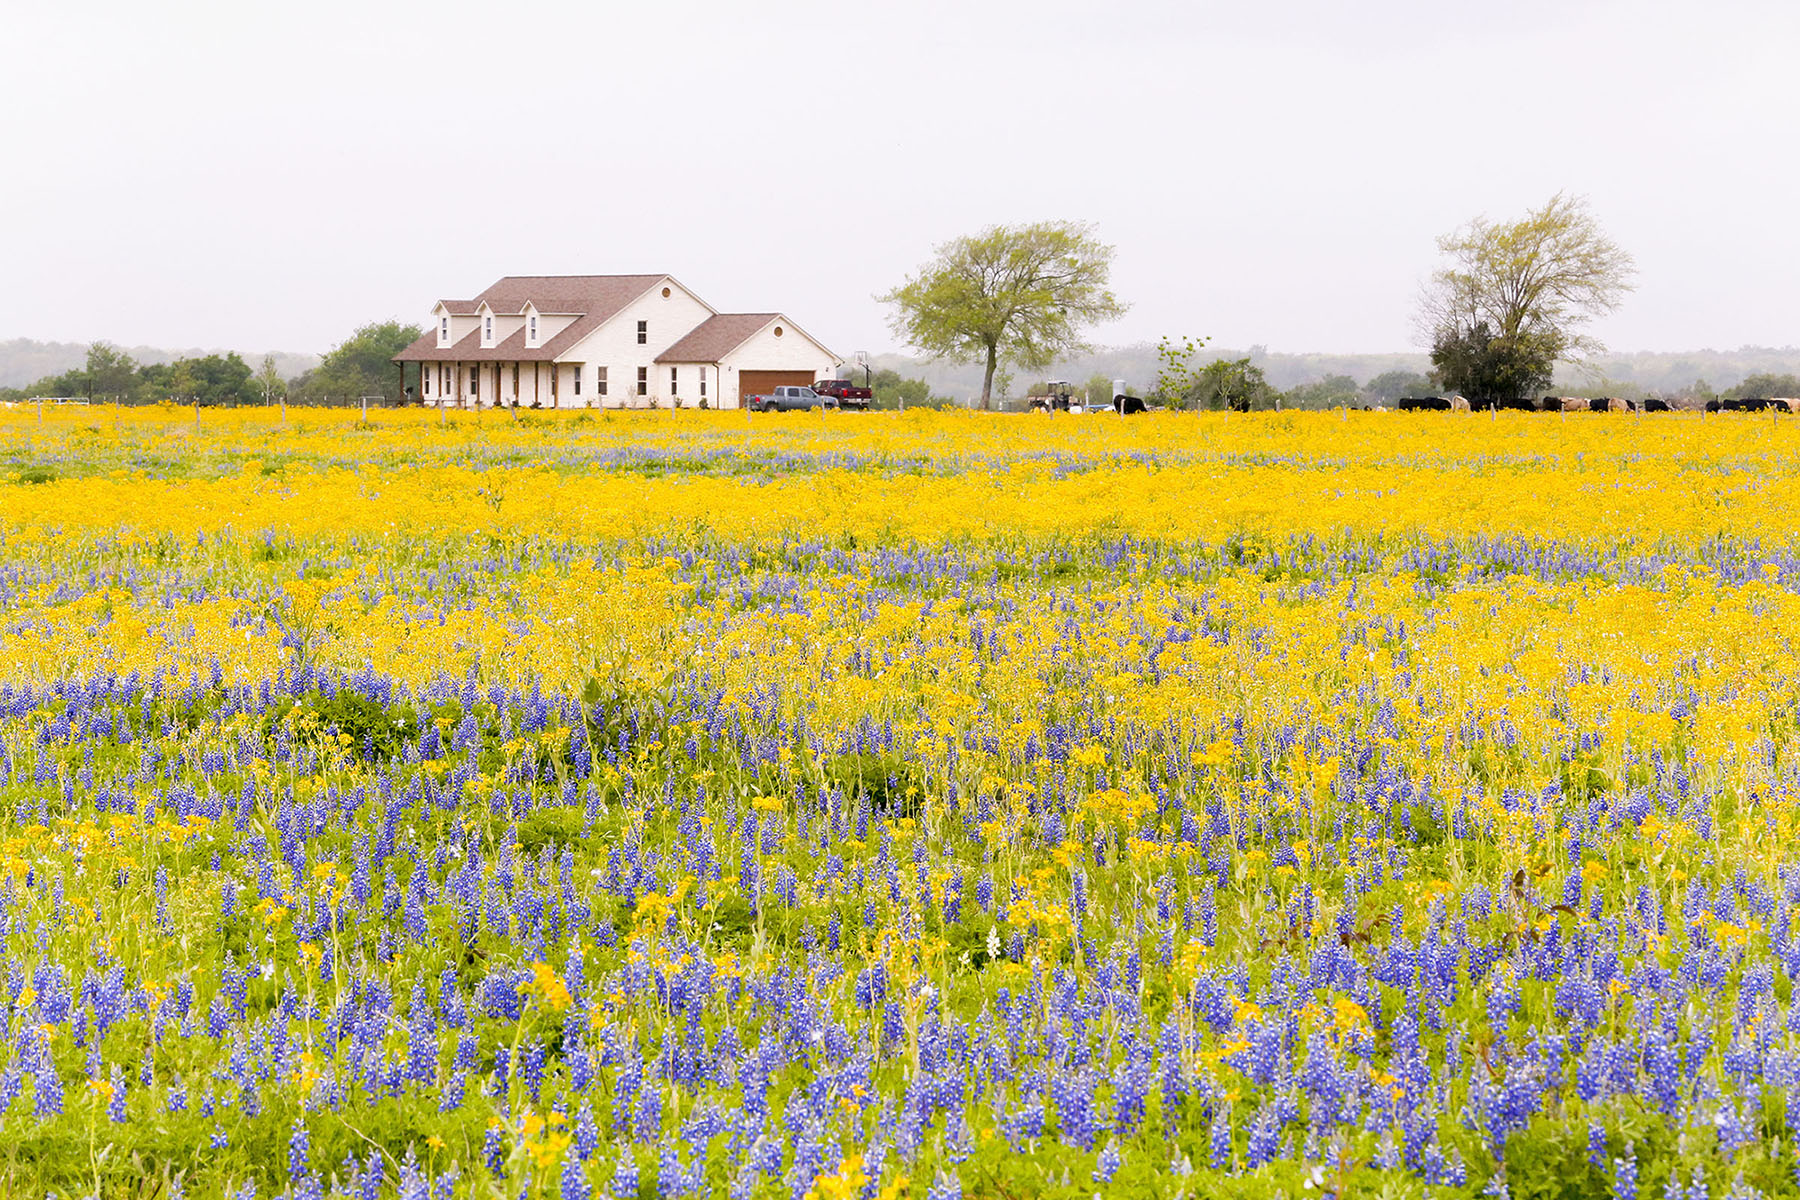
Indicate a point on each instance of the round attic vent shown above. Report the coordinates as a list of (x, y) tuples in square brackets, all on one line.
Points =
[(665, 293), (778, 331)]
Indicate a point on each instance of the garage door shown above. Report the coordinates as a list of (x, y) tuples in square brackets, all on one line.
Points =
[(759, 383)]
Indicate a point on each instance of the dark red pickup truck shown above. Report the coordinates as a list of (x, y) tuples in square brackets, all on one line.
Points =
[(844, 393)]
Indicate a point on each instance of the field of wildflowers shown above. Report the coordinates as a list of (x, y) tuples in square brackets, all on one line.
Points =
[(925, 805)]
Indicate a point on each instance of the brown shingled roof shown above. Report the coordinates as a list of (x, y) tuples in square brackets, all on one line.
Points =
[(593, 299), (715, 337), (426, 349), (592, 295)]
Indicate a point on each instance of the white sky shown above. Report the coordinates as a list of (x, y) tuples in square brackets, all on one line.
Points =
[(256, 175)]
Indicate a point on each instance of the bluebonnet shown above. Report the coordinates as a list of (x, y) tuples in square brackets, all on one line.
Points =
[(625, 1176), (574, 1181)]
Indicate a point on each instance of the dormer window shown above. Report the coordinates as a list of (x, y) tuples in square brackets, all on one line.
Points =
[(487, 329), (444, 329), (532, 334)]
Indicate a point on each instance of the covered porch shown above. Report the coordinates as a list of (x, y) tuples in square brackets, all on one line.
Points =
[(503, 383)]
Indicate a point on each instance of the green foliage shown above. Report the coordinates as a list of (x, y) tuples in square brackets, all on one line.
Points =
[(111, 373), (549, 827), (1177, 382), (893, 390), (892, 784), (214, 379), (1763, 384), (1234, 384), (1010, 294), (1390, 386), (365, 722), (1516, 294), (268, 379), (1099, 390), (361, 365), (1333, 391), (1482, 365)]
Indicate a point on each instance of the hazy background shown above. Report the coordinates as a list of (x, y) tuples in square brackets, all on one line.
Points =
[(257, 177)]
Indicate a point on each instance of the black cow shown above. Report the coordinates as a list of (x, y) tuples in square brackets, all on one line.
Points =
[(1655, 405), (1127, 405), (1423, 404)]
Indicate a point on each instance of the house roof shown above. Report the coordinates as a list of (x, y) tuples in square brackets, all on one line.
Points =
[(591, 299), (716, 337), (591, 295)]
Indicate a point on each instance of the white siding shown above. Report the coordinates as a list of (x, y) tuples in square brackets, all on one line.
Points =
[(614, 345), (551, 324), (763, 351)]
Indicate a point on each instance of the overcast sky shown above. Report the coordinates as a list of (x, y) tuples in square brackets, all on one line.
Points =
[(262, 176)]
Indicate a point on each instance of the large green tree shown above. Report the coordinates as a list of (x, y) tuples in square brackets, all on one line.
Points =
[(111, 373), (1482, 365), (1231, 383), (1514, 297), (1390, 386), (1018, 294), (361, 365)]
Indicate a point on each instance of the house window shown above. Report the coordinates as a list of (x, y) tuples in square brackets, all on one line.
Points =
[(578, 380), (475, 381), (444, 329), (424, 382), (674, 382), (703, 383), (643, 381), (643, 333), (599, 381), (487, 329), (533, 334)]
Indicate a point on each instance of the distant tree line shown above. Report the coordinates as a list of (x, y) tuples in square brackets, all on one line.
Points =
[(359, 366)]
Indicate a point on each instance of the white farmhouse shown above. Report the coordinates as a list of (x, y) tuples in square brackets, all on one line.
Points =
[(606, 341)]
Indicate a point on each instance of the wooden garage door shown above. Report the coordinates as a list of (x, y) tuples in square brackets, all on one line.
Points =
[(758, 383)]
